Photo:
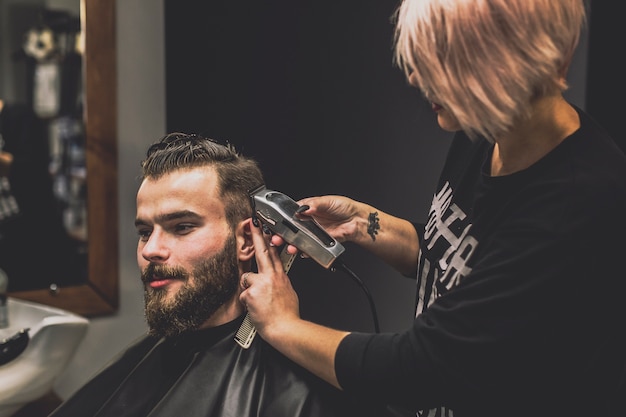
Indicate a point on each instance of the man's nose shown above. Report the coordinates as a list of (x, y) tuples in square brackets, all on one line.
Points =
[(156, 247)]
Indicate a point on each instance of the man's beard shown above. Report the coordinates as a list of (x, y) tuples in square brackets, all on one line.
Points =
[(215, 281)]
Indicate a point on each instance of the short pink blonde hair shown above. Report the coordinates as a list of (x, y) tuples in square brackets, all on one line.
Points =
[(486, 60)]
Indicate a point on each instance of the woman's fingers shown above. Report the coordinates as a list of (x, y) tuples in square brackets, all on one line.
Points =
[(266, 256)]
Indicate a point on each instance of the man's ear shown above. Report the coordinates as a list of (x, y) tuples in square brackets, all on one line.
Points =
[(243, 235)]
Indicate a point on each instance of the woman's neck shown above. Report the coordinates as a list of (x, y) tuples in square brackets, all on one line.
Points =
[(552, 119)]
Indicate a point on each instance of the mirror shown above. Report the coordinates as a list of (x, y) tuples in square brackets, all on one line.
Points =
[(97, 294)]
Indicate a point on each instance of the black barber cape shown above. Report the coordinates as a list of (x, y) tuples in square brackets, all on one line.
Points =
[(206, 373)]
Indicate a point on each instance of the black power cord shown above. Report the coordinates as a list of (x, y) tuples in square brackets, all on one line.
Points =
[(340, 265)]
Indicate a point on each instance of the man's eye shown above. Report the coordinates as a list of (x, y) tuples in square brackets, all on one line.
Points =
[(144, 234), (184, 228)]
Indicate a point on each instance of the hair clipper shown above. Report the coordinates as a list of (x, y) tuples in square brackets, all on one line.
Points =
[(278, 212)]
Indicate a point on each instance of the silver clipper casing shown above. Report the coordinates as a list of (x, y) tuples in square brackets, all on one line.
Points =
[(278, 212)]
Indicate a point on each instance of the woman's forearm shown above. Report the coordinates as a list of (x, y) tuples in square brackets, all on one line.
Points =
[(392, 239), (308, 344)]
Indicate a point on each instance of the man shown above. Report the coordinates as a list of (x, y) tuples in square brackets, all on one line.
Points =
[(194, 245)]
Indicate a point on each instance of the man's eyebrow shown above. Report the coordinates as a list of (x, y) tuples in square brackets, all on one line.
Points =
[(183, 214)]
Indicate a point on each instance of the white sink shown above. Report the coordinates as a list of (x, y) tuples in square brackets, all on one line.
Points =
[(53, 337)]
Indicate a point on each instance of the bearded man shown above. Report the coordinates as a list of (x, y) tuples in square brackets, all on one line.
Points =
[(193, 223)]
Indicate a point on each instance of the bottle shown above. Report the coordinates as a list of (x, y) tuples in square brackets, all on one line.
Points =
[(4, 308)]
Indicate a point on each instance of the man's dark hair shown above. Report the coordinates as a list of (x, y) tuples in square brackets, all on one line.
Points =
[(237, 174)]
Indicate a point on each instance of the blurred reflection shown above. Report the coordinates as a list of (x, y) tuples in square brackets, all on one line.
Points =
[(42, 160), (36, 249)]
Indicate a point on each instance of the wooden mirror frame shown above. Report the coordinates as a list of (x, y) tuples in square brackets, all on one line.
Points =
[(99, 295)]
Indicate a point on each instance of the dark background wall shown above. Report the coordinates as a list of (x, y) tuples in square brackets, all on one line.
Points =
[(605, 73), (309, 89)]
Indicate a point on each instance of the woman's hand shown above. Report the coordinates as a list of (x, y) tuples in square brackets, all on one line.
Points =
[(273, 308), (268, 294), (341, 217)]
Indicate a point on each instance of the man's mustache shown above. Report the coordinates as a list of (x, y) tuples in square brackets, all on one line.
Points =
[(154, 271)]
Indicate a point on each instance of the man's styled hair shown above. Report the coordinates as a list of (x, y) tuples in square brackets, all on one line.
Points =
[(486, 60), (237, 174)]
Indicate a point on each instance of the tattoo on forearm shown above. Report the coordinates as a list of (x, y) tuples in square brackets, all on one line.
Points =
[(373, 225)]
